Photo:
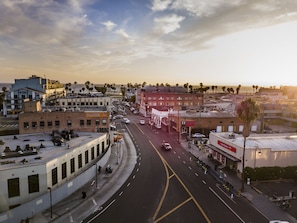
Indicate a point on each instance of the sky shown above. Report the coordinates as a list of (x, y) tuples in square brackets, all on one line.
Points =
[(214, 42)]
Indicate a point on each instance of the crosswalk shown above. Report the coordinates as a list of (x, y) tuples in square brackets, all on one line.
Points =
[(9, 125)]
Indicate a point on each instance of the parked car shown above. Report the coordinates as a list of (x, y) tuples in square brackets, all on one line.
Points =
[(117, 117), (141, 121), (126, 120), (166, 146), (198, 135)]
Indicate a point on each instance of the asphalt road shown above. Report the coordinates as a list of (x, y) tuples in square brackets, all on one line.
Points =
[(169, 186)]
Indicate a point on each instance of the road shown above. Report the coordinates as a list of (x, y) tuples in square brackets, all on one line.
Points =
[(169, 186)]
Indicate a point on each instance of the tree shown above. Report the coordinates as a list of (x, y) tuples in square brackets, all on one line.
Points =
[(247, 111)]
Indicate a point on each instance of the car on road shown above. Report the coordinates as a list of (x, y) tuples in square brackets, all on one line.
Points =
[(126, 120), (198, 135), (142, 122), (166, 146)]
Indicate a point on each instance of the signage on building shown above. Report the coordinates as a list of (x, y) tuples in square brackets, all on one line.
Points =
[(226, 146), (95, 114), (190, 123)]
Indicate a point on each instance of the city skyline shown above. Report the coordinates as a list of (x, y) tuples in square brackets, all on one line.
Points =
[(154, 41)]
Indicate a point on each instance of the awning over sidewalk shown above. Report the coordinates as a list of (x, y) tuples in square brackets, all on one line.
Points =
[(234, 159)]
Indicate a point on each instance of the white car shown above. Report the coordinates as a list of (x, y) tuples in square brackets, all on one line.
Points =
[(141, 121), (198, 135), (166, 146), (125, 120)]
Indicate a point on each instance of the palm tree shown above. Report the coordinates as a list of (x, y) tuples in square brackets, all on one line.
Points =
[(247, 111)]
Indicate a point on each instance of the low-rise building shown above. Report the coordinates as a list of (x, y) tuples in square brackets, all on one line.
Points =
[(261, 150), (31, 164)]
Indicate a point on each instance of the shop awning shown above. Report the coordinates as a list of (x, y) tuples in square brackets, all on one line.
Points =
[(234, 159)]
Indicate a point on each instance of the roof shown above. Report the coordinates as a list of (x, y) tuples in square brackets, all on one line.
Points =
[(49, 152), (275, 142)]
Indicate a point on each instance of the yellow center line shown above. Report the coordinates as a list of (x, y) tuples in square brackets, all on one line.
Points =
[(172, 210), (166, 166)]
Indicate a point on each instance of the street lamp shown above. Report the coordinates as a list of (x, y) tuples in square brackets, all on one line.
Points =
[(50, 189)]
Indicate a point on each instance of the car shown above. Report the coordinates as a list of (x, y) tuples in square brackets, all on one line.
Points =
[(198, 135), (117, 117), (166, 146), (141, 121), (126, 120)]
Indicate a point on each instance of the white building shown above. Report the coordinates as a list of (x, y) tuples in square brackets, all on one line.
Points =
[(31, 165), (262, 150)]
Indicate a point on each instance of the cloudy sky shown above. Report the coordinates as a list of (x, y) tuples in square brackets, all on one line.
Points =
[(214, 42)]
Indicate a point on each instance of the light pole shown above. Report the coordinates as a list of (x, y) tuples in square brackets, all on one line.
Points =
[(51, 204)]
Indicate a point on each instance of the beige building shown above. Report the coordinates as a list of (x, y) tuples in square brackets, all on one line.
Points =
[(35, 120)]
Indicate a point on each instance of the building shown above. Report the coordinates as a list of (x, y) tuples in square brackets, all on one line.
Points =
[(32, 165), (36, 120), (262, 150), (191, 121), (84, 101), (34, 88), (162, 98)]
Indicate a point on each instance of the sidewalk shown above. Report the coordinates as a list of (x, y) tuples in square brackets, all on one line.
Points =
[(254, 196), (107, 185)]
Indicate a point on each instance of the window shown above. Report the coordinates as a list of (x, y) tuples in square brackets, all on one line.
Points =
[(102, 147), (98, 150), (34, 124), (92, 153), (57, 123), (79, 160), (54, 176), (81, 122), (13, 186), (88, 122), (97, 122), (26, 125), (69, 103), (86, 156), (64, 170), (72, 165), (104, 121), (33, 183), (49, 124), (69, 123), (41, 123)]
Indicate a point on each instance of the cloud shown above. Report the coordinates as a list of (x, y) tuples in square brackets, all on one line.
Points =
[(122, 33), (109, 25), (167, 24), (160, 5), (41, 21)]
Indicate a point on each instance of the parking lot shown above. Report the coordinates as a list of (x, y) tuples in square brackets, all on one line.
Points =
[(276, 191)]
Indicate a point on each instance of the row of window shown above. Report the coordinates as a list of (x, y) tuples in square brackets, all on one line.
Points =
[(69, 123), (156, 103), (171, 98), (13, 184), (72, 164), (95, 103)]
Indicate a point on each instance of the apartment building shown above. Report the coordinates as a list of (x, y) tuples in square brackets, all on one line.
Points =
[(33, 88)]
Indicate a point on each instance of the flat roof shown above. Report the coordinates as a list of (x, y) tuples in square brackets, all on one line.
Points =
[(275, 142), (49, 152)]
